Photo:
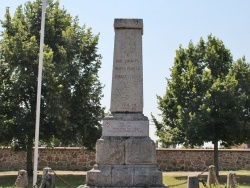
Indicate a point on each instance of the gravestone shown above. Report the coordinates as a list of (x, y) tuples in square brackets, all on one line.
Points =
[(125, 154)]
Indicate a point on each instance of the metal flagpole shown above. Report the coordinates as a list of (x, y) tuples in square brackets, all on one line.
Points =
[(38, 100)]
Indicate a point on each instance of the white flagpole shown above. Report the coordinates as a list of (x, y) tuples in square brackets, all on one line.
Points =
[(38, 100)]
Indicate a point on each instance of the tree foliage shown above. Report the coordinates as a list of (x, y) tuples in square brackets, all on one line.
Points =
[(207, 97), (71, 91)]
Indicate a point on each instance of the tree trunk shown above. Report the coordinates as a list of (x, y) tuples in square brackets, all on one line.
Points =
[(29, 156), (216, 158), (248, 144)]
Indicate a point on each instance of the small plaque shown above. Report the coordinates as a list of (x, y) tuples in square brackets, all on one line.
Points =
[(125, 128)]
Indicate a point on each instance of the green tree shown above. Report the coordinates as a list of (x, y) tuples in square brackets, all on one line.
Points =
[(206, 99), (71, 91)]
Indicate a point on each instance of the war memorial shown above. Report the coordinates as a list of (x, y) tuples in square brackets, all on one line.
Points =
[(125, 154)]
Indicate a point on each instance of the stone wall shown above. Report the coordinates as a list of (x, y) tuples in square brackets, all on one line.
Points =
[(72, 158), (200, 159), (167, 159)]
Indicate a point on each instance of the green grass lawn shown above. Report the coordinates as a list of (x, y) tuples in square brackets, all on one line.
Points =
[(62, 181), (172, 180), (242, 177), (72, 181)]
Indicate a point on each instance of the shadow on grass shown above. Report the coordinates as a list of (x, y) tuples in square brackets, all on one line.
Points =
[(243, 180), (7, 181), (181, 178), (62, 181), (70, 180)]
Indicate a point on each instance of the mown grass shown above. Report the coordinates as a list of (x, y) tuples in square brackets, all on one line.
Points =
[(71, 181), (62, 181), (242, 177)]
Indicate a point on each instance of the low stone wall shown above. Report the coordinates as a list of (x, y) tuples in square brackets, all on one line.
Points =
[(167, 159), (70, 158), (200, 159)]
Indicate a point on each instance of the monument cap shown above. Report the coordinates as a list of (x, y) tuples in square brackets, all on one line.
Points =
[(128, 24)]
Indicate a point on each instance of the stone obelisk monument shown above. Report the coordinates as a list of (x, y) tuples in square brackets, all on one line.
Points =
[(125, 155)]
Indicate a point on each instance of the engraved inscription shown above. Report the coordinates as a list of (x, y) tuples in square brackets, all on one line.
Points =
[(133, 68), (120, 68), (118, 61), (120, 76), (131, 61), (127, 61), (125, 128)]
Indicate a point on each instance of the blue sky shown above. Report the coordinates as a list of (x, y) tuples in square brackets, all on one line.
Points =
[(167, 24)]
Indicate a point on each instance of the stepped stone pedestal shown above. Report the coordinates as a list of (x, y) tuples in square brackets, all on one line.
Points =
[(125, 154)]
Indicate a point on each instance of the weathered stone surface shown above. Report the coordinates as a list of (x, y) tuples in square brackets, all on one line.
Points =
[(140, 150), (110, 151), (99, 176), (128, 24), (125, 124), (22, 179), (231, 180), (125, 128), (127, 79), (147, 175), (211, 178), (48, 180), (193, 181), (122, 175)]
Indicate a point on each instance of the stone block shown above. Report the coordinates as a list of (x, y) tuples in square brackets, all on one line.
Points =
[(127, 79), (125, 128), (140, 150), (193, 181), (128, 23), (110, 151), (22, 179), (231, 180), (211, 178), (99, 176), (48, 180), (147, 175), (122, 175)]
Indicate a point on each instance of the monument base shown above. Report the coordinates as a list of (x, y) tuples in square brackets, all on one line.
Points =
[(125, 154), (125, 162), (125, 151), (124, 176)]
